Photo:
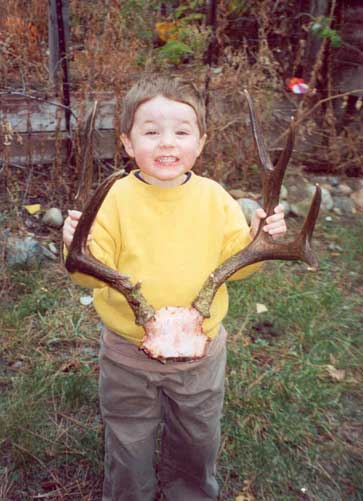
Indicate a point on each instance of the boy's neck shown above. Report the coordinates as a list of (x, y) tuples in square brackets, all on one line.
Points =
[(167, 184)]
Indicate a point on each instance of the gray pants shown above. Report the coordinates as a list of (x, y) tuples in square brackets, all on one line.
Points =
[(188, 403)]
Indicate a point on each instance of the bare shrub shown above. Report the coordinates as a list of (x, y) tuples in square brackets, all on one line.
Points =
[(23, 35)]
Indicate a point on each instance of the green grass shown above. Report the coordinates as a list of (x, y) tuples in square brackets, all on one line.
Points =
[(287, 424), (292, 426), (50, 429)]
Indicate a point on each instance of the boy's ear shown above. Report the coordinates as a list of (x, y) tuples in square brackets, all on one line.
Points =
[(127, 145), (202, 141)]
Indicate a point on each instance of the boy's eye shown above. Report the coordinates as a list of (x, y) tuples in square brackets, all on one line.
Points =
[(182, 133), (151, 132)]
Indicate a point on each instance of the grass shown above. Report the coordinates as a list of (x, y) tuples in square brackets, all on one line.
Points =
[(293, 420), (294, 379), (50, 430)]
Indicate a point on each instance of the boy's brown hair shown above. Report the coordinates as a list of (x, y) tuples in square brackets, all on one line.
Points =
[(177, 89)]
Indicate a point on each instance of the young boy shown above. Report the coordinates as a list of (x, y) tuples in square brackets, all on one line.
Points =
[(168, 228)]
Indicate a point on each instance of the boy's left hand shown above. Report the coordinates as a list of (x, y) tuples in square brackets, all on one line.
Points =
[(275, 225)]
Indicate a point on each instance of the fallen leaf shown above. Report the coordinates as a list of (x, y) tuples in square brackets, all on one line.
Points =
[(261, 308), (337, 374), (32, 209), (246, 341), (332, 359), (86, 300), (246, 494), (70, 366)]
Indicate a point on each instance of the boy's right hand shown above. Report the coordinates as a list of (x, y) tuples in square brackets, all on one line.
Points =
[(70, 225)]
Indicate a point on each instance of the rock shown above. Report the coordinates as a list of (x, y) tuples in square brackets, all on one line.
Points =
[(357, 197), (248, 207), (53, 248), (344, 204), (237, 193), (47, 253), (327, 202), (23, 252), (286, 207), (53, 217), (300, 208), (328, 187), (283, 193), (344, 189), (335, 247)]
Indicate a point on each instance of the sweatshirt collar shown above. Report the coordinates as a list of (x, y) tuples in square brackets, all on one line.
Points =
[(137, 173), (164, 192)]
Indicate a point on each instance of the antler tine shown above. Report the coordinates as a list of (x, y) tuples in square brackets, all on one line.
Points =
[(307, 230), (86, 137), (88, 216), (78, 260), (272, 175), (263, 247), (263, 155)]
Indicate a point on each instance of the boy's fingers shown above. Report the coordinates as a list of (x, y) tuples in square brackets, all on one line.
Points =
[(260, 213), (74, 214), (276, 223), (274, 229), (278, 209), (275, 217), (278, 214)]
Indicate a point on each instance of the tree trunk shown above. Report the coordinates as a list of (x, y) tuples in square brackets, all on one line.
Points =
[(211, 21), (54, 64), (348, 61)]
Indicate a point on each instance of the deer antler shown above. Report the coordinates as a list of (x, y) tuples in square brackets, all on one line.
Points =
[(263, 247), (79, 260)]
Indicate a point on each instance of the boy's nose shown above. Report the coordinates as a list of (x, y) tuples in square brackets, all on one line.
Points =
[(167, 139)]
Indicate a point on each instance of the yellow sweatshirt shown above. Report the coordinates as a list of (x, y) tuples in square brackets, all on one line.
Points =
[(168, 238)]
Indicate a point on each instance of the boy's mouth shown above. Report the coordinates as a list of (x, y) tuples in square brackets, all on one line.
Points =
[(167, 160)]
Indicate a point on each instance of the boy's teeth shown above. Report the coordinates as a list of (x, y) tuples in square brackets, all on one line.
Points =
[(167, 159)]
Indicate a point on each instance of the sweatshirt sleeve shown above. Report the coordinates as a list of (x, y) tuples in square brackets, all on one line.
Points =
[(236, 237), (105, 243)]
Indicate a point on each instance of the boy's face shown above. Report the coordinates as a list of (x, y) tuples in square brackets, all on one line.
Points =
[(164, 140)]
